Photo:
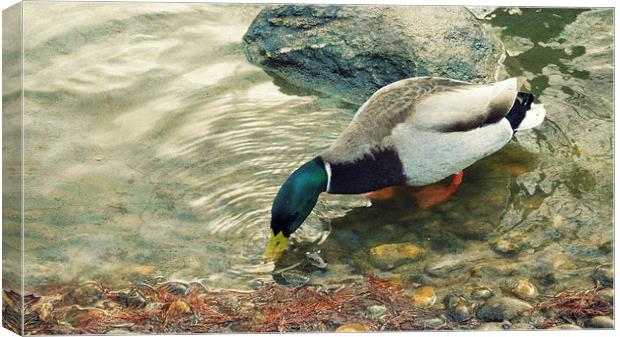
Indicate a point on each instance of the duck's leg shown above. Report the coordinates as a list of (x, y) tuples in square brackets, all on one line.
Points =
[(432, 195), (382, 194)]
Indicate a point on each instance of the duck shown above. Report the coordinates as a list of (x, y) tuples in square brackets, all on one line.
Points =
[(414, 132)]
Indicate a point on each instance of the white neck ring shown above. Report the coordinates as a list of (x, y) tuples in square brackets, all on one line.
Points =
[(328, 170)]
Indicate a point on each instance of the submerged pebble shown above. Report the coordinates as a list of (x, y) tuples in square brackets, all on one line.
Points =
[(376, 310), (566, 327), (481, 293), (501, 308), (490, 326), (601, 322), (351, 327), (521, 288), (294, 279), (390, 256), (457, 308), (521, 326), (607, 294), (424, 297), (434, 322), (314, 259), (176, 308), (604, 274)]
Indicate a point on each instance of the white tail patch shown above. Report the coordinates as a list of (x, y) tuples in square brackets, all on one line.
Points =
[(533, 117)]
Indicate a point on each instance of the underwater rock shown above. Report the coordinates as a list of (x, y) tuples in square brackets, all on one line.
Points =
[(293, 278), (566, 327), (376, 310), (176, 308), (607, 294), (521, 288), (601, 322), (351, 327), (434, 322), (521, 326), (501, 308), (424, 297), (351, 51), (390, 256), (315, 260), (604, 274), (490, 326), (457, 308), (481, 293)]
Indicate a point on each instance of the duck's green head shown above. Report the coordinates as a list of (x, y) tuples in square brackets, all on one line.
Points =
[(294, 201)]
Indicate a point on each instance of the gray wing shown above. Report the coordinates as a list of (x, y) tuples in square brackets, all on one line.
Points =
[(400, 102)]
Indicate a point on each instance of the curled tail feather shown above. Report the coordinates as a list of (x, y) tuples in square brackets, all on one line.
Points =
[(524, 114)]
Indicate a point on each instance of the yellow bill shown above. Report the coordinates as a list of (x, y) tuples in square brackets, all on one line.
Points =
[(275, 248)]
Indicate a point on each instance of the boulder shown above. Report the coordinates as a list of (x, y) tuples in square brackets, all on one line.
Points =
[(351, 51)]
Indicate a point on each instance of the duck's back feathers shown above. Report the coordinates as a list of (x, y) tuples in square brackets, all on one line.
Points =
[(374, 121), (434, 126), (430, 103), (465, 107)]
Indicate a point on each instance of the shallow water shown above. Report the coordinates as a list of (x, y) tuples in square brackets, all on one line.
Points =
[(154, 149)]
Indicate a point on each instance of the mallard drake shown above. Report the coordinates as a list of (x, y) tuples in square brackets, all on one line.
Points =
[(413, 132)]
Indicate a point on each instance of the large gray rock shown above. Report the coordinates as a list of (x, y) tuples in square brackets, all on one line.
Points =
[(351, 51)]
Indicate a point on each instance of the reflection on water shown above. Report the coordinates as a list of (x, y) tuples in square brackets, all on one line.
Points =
[(153, 148)]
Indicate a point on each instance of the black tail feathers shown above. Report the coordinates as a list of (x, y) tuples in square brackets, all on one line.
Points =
[(522, 104)]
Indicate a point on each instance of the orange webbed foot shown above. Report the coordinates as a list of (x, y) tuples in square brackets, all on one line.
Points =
[(432, 195), (382, 194)]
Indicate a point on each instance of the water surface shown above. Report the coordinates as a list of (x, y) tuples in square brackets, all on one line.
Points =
[(154, 150)]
